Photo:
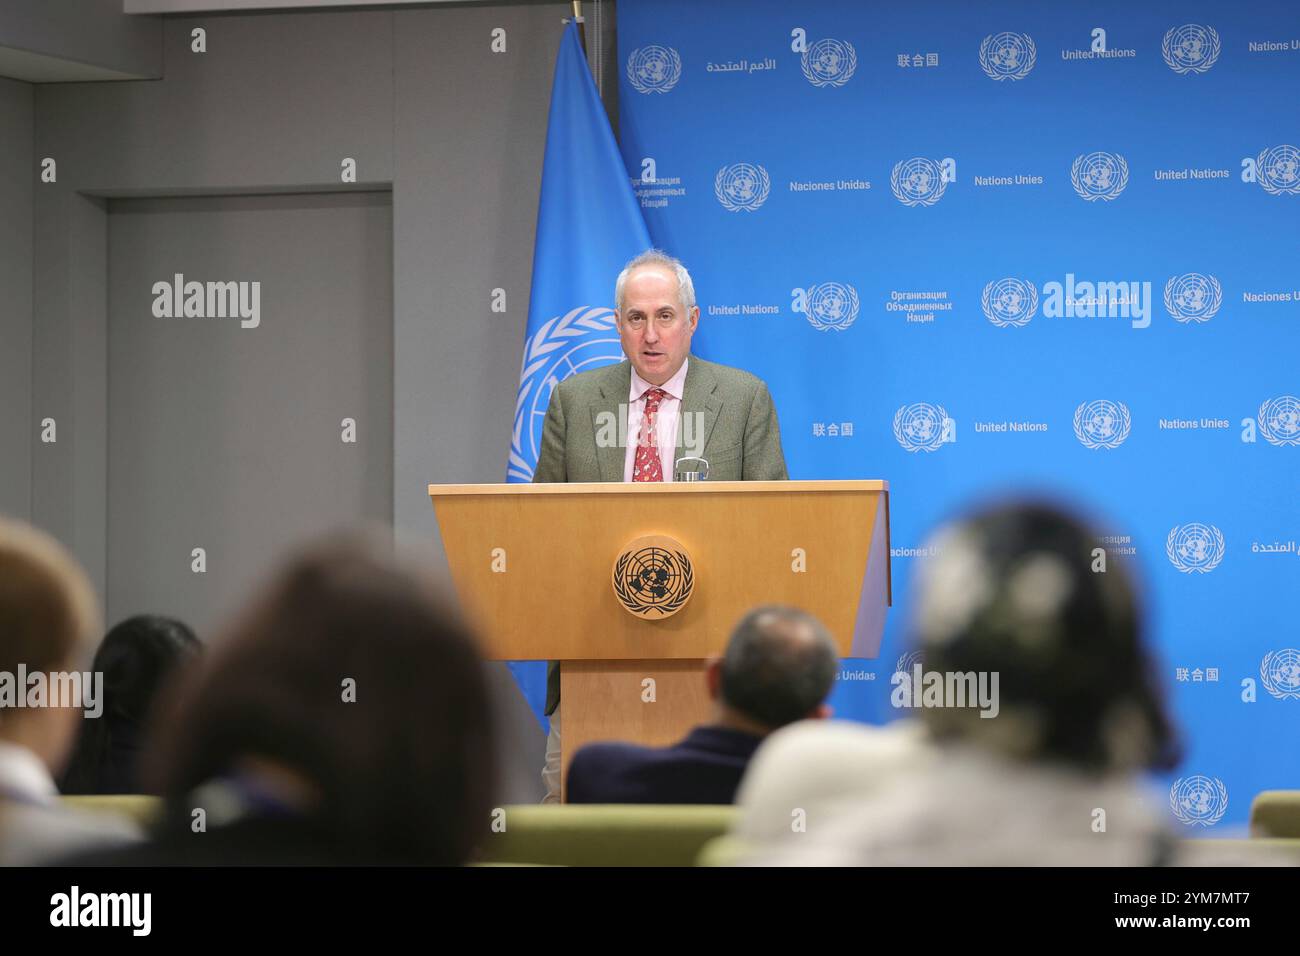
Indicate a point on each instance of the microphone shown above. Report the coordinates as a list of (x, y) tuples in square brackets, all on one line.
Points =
[(690, 469)]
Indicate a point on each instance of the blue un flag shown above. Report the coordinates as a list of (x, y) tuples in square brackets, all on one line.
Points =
[(588, 226)]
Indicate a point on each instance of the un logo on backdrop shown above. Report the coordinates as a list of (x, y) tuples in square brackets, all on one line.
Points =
[(1279, 420), (917, 182), (829, 62), (1193, 297), (1191, 48), (1279, 672), (1102, 424), (742, 186), (1194, 547), (1099, 175), (1278, 170), (1008, 56), (907, 662), (1009, 302), (654, 69), (922, 426), (832, 305), (1198, 800), (581, 339)]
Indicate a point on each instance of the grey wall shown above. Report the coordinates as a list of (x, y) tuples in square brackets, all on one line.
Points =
[(17, 179), (470, 131), (229, 438), (421, 102), (60, 39)]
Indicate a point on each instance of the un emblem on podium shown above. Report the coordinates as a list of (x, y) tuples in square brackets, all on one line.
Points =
[(653, 577)]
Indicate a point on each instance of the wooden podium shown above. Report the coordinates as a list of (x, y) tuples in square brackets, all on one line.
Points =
[(534, 566)]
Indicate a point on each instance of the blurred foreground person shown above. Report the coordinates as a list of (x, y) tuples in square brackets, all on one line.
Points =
[(1038, 762), (815, 771), (137, 658), (48, 619), (345, 719)]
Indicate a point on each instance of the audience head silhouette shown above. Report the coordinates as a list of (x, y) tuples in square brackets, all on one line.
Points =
[(137, 658), (348, 700), (1028, 591), (48, 619), (778, 667)]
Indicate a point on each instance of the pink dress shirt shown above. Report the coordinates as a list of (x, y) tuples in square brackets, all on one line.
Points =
[(665, 423)]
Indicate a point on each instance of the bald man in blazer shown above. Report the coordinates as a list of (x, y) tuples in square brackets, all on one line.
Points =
[(722, 414)]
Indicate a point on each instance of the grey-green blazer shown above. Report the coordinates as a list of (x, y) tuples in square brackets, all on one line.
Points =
[(737, 429), (729, 409)]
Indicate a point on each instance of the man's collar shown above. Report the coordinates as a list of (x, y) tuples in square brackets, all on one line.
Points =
[(722, 739), (675, 386)]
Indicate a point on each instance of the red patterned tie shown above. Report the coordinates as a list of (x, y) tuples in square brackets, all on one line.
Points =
[(647, 466)]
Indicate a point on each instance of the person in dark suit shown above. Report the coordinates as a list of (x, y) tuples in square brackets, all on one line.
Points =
[(778, 668), (662, 404)]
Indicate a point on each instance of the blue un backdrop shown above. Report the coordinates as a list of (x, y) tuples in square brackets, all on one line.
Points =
[(974, 248)]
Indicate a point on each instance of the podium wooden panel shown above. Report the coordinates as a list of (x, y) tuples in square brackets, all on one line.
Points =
[(608, 702), (532, 566)]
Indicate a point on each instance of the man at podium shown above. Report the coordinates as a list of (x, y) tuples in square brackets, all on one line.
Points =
[(674, 404)]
